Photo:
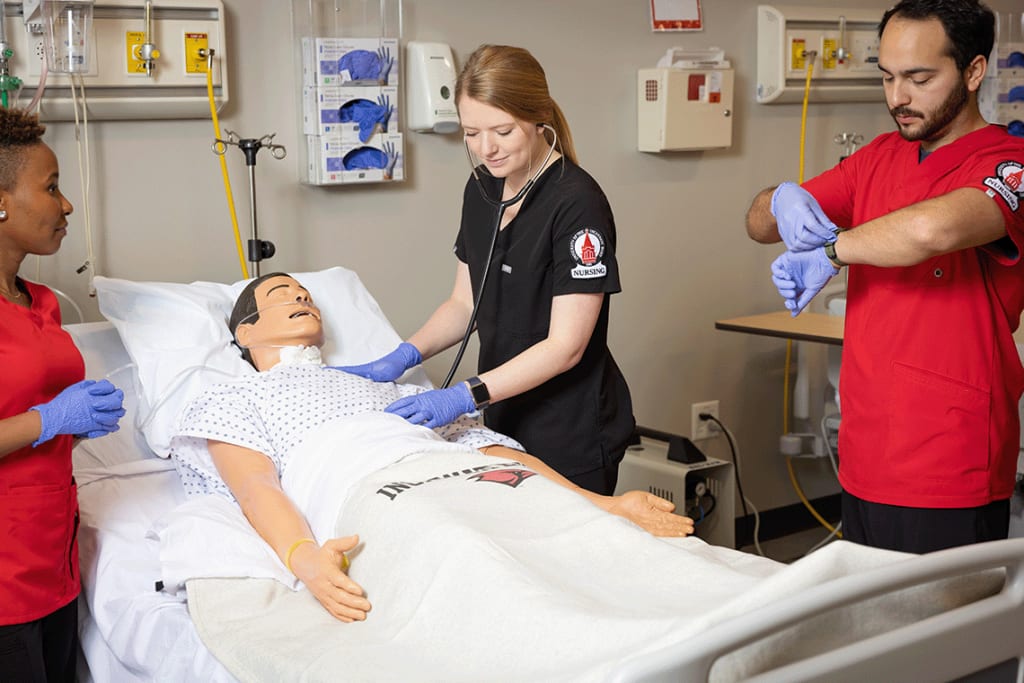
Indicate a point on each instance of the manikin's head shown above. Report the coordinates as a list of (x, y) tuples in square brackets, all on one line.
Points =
[(272, 312), (933, 56)]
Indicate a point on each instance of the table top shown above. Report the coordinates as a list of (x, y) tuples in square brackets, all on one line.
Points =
[(817, 327)]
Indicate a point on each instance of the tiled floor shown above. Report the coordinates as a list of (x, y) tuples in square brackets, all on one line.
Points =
[(793, 547)]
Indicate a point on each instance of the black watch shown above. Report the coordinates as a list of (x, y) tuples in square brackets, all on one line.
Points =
[(478, 390)]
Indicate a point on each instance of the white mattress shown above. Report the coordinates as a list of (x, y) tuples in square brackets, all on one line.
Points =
[(129, 631)]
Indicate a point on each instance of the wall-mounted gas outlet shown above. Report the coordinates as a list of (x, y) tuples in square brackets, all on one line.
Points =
[(703, 429)]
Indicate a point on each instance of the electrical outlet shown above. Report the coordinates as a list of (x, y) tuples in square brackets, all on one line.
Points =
[(703, 429)]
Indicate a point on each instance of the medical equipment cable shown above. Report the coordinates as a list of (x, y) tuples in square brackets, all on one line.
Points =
[(82, 133), (744, 501), (803, 497), (224, 166), (500, 206), (44, 72)]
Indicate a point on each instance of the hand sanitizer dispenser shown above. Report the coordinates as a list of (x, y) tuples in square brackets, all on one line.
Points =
[(430, 84)]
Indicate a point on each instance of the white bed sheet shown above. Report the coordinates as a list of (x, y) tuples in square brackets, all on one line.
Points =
[(129, 630)]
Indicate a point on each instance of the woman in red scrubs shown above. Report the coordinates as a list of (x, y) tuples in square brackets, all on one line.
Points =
[(44, 406)]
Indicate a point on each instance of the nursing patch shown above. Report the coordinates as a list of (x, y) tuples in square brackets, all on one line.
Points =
[(1008, 183), (587, 248)]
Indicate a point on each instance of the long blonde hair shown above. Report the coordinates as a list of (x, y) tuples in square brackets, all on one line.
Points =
[(512, 80)]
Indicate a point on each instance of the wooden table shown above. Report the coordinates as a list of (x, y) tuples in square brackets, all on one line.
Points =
[(817, 327)]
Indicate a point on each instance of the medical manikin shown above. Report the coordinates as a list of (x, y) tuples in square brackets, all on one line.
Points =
[(248, 429)]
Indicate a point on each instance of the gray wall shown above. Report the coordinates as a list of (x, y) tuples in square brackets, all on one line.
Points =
[(159, 211)]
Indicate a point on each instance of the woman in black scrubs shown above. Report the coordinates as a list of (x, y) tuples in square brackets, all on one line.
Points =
[(546, 376)]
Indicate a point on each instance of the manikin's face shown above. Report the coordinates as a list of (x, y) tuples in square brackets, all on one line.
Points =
[(925, 91), (36, 210), (287, 317), (506, 145)]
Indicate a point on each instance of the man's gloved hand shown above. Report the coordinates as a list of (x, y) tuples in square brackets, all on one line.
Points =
[(435, 408), (800, 275), (86, 409), (802, 224), (387, 368)]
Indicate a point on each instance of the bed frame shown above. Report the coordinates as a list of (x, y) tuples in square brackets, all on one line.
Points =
[(980, 641)]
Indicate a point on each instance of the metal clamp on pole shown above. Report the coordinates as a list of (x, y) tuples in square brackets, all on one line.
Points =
[(258, 249)]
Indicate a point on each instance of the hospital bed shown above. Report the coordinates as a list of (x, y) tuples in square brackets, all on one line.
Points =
[(843, 613)]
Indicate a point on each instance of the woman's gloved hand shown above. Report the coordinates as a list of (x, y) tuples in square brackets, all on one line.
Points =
[(387, 368), (800, 275), (802, 224), (435, 408), (87, 409)]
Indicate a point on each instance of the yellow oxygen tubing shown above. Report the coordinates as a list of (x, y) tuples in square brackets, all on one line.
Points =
[(224, 166), (811, 56)]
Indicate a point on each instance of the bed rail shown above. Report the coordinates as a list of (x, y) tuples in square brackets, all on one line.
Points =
[(952, 644)]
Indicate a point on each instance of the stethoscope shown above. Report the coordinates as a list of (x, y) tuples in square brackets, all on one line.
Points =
[(500, 206)]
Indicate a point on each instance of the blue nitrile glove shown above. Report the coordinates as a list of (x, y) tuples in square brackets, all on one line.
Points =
[(367, 114), (435, 408), (802, 224), (365, 158), (800, 275), (387, 368), (387, 109), (88, 408), (362, 65)]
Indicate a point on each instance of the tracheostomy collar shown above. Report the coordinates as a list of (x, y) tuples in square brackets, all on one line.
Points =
[(300, 355)]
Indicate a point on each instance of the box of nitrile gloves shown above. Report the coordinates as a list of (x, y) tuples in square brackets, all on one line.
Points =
[(330, 160), (354, 113), (350, 61)]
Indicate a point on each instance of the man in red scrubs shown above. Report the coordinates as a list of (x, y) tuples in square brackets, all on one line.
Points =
[(929, 220)]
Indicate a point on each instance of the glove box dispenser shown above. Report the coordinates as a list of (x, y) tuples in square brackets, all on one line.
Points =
[(684, 109)]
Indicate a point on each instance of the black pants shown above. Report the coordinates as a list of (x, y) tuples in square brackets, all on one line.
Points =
[(41, 651), (922, 530)]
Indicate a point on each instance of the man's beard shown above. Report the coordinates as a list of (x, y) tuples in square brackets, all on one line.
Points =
[(932, 127)]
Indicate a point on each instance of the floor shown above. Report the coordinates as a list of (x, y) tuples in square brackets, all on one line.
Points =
[(790, 548)]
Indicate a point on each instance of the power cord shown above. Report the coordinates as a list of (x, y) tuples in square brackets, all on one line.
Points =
[(744, 501)]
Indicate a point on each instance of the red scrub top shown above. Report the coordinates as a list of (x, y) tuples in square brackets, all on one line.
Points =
[(38, 499), (931, 378)]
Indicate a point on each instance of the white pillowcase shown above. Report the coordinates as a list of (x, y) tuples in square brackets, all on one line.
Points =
[(177, 336)]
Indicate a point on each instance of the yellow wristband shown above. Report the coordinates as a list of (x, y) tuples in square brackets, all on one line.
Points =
[(288, 555)]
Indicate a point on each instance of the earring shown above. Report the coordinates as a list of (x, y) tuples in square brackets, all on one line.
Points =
[(3, 215)]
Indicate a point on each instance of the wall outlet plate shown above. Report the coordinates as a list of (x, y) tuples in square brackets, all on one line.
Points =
[(703, 429)]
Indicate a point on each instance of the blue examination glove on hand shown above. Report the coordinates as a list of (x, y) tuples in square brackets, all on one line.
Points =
[(435, 408), (800, 275), (87, 409), (803, 226), (389, 367)]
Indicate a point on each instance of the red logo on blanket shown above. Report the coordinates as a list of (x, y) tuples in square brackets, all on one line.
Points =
[(511, 478)]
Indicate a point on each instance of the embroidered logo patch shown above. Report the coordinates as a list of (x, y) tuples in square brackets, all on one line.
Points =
[(511, 477), (587, 248), (1008, 183)]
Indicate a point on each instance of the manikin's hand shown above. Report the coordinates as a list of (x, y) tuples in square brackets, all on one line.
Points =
[(320, 568), (651, 513), (802, 224), (800, 275)]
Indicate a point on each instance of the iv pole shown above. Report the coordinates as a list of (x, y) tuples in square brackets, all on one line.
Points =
[(258, 249)]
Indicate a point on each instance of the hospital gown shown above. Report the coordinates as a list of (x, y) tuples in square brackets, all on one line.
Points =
[(273, 411)]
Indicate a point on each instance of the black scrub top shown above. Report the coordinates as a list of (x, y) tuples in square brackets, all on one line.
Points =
[(561, 242)]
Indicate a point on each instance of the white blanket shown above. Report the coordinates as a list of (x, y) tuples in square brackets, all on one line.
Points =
[(480, 570)]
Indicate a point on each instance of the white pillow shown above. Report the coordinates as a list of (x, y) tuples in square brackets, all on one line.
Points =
[(177, 335)]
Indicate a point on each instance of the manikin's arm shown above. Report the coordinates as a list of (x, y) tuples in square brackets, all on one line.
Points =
[(254, 482), (646, 510)]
